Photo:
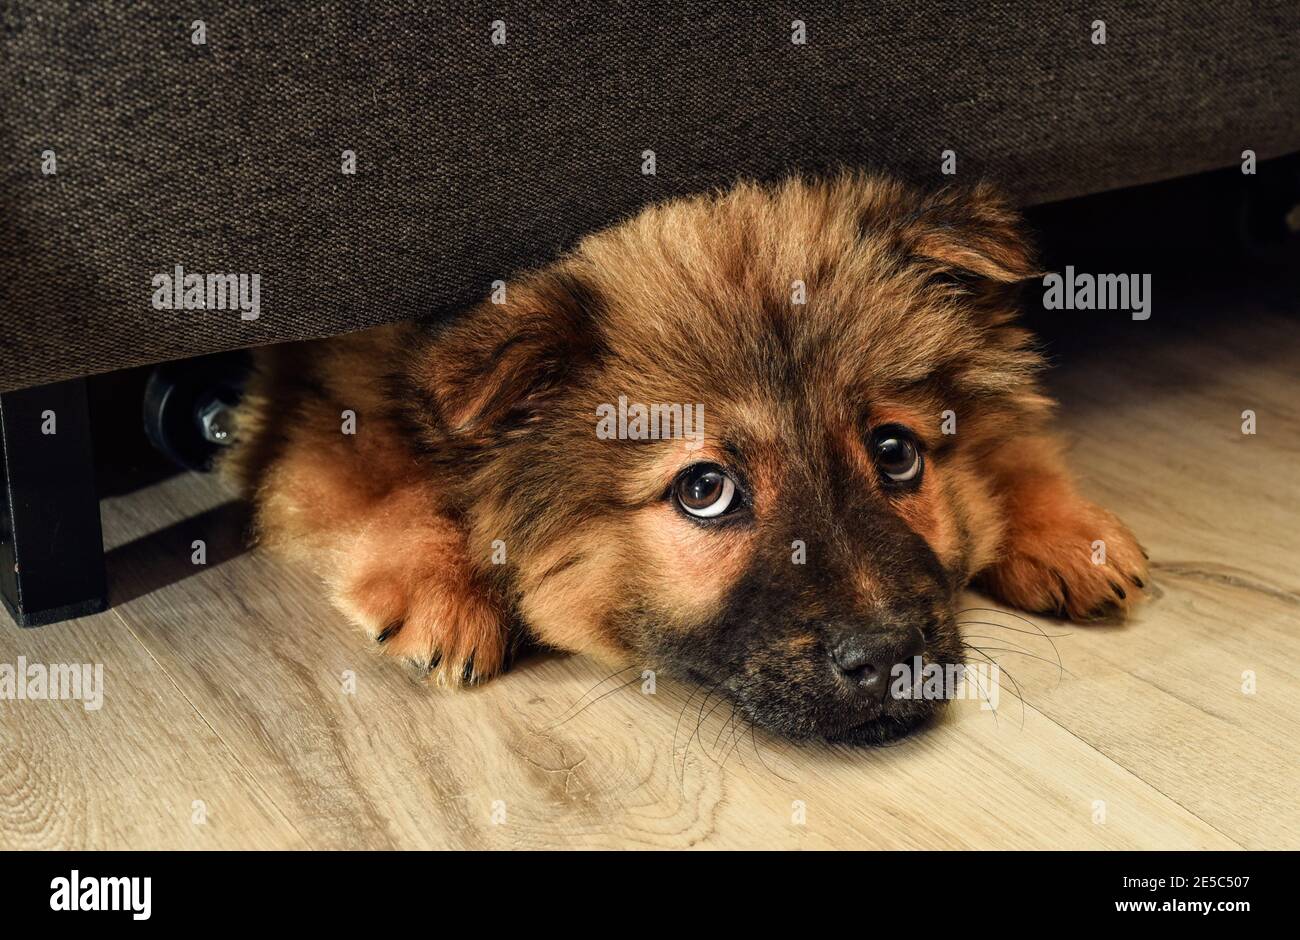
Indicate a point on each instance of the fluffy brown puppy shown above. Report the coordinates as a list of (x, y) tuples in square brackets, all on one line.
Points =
[(872, 438)]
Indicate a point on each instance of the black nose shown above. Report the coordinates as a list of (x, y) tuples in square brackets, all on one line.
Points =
[(865, 657)]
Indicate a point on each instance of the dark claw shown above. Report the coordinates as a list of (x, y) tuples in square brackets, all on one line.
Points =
[(1118, 590), (433, 663), (1063, 611), (1102, 610), (388, 631), (1138, 581), (467, 674)]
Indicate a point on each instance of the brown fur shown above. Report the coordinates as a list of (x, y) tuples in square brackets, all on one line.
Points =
[(482, 431)]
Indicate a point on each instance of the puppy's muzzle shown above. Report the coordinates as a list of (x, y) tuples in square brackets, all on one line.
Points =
[(863, 657)]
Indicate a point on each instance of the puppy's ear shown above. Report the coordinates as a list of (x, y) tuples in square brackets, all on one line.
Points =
[(972, 236), (491, 370)]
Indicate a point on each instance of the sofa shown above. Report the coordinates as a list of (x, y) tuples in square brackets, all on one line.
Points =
[(354, 164)]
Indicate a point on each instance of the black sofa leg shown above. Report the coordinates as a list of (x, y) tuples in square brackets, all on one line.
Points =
[(51, 544)]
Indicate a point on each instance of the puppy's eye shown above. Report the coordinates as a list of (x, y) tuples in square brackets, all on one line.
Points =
[(895, 452), (705, 490)]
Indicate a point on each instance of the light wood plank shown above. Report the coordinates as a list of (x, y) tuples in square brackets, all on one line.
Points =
[(128, 774)]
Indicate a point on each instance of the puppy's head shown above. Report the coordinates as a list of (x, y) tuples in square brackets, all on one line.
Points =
[(740, 437)]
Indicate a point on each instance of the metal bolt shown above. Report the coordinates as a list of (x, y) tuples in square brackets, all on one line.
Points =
[(216, 420)]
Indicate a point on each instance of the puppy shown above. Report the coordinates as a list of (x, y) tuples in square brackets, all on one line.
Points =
[(868, 437)]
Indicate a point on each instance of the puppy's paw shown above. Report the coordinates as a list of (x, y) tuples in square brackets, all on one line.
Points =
[(442, 624), (1081, 563)]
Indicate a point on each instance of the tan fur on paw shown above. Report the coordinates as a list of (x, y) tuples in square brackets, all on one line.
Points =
[(1055, 565), (411, 589), (452, 633)]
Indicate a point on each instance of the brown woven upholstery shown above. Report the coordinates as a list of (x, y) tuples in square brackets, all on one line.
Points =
[(474, 159)]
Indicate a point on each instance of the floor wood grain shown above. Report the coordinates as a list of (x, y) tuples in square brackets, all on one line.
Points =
[(233, 682), (143, 770)]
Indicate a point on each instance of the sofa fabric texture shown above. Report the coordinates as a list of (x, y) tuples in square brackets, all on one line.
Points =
[(475, 159)]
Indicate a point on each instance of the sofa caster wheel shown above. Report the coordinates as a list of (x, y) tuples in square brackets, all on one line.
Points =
[(189, 408)]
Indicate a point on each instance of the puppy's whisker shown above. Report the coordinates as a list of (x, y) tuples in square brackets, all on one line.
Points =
[(733, 744), (989, 623), (742, 725), (1003, 626), (725, 726), (726, 729), (1037, 627), (1019, 695), (983, 652), (1016, 652), (699, 721), (728, 669), (739, 722), (979, 684), (584, 695), (753, 737), (998, 639), (618, 688), (694, 690), (720, 702), (686, 751), (984, 692), (999, 610), (612, 675), (746, 724)]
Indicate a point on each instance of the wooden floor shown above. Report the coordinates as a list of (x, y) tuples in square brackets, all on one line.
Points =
[(229, 721)]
